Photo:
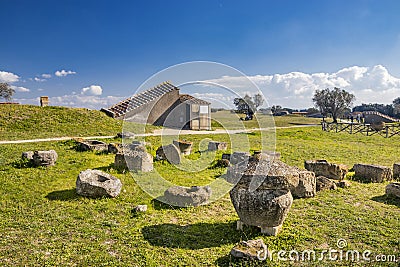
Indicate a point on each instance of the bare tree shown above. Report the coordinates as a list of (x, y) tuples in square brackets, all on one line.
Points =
[(6, 91), (333, 102), (258, 100)]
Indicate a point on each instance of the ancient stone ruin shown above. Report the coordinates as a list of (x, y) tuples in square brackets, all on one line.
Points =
[(185, 147), (263, 192), (324, 183), (44, 158), (187, 196), (393, 189), (95, 183), (262, 168), (372, 173), (90, 145), (27, 155), (216, 145), (396, 171), (170, 153), (134, 158), (251, 249), (324, 168)]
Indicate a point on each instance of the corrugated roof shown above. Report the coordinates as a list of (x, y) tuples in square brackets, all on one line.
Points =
[(192, 100), (142, 98)]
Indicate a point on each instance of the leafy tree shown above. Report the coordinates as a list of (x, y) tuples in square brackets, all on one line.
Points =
[(258, 100), (275, 109), (396, 106), (245, 104), (333, 102), (6, 91)]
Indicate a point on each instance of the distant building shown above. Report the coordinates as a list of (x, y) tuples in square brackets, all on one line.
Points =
[(163, 105), (44, 101)]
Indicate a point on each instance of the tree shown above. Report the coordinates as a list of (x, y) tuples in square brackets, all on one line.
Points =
[(333, 102), (258, 100), (396, 106), (6, 91), (275, 109), (244, 105)]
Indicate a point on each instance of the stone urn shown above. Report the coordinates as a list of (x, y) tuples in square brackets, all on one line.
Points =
[(262, 196), (266, 209), (185, 147)]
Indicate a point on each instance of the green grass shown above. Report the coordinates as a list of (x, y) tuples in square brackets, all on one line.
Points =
[(44, 223), (228, 120), (18, 122)]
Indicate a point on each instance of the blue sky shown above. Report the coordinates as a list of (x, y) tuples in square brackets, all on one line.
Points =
[(107, 49)]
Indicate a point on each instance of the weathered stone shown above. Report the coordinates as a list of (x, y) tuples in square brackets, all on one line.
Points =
[(267, 155), (238, 157), (226, 156), (393, 189), (307, 185), (251, 249), (396, 171), (324, 168), (95, 183), (343, 184), (138, 146), (273, 174), (134, 160), (372, 173), (140, 208), (223, 163), (89, 145), (187, 196), (170, 153), (114, 148), (266, 208), (27, 155), (44, 158), (324, 183), (215, 145), (126, 135), (185, 147)]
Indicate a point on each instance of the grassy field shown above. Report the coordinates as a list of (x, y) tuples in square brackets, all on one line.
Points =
[(44, 223), (230, 120)]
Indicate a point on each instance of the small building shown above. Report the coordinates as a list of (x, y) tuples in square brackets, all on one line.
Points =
[(163, 105), (44, 101)]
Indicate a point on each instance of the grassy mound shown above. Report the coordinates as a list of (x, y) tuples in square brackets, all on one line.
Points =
[(19, 122)]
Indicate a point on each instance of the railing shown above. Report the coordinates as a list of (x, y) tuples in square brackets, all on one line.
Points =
[(386, 130)]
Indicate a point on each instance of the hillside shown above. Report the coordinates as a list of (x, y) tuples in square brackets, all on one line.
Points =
[(19, 122)]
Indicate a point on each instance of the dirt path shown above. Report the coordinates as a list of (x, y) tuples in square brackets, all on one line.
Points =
[(158, 132)]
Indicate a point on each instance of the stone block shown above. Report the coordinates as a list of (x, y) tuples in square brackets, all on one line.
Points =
[(372, 173)]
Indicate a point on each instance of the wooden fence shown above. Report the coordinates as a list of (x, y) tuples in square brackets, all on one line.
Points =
[(387, 130)]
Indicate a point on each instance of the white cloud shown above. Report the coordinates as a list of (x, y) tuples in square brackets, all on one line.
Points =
[(46, 75), (20, 89), (8, 77), (92, 90), (36, 79), (40, 89), (295, 89), (62, 73)]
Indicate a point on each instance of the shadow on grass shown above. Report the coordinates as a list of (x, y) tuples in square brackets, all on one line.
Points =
[(387, 200), (65, 195), (195, 236), (158, 204), (231, 261), (111, 166)]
